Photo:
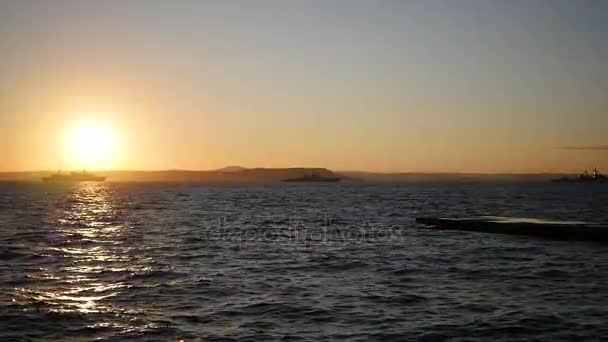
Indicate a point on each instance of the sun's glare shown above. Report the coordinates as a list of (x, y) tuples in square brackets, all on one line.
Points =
[(90, 145)]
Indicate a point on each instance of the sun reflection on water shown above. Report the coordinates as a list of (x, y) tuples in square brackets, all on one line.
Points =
[(87, 252)]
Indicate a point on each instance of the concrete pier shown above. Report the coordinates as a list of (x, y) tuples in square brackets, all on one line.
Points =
[(557, 230)]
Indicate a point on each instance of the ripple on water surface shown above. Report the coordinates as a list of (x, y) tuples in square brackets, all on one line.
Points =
[(293, 262)]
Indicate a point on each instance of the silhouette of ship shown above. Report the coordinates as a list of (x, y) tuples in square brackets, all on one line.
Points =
[(83, 176), (313, 178), (585, 177)]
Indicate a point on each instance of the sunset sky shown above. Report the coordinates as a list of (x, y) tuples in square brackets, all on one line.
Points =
[(413, 86)]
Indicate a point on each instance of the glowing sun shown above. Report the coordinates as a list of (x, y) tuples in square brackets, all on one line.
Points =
[(91, 145)]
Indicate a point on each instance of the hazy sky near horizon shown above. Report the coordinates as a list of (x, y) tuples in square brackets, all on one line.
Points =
[(433, 86)]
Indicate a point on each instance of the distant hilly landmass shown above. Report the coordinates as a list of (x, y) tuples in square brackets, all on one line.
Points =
[(239, 174), (451, 177), (233, 174), (232, 168)]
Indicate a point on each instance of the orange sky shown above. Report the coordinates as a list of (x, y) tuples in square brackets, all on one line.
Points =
[(424, 87)]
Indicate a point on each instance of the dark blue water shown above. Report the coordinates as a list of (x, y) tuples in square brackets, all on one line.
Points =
[(295, 262)]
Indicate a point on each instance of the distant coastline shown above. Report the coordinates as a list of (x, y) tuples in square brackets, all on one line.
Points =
[(237, 174)]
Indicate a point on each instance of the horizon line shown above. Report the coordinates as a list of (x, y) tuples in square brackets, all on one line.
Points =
[(304, 167)]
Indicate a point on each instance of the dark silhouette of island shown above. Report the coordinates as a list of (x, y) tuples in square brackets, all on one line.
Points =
[(239, 174), (232, 168), (231, 174)]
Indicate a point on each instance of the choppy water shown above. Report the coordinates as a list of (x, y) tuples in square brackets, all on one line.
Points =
[(294, 262)]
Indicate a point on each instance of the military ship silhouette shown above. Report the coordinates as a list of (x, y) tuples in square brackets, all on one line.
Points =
[(315, 177), (83, 176), (585, 177)]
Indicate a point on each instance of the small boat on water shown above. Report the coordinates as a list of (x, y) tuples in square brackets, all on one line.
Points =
[(313, 178), (585, 177), (83, 176)]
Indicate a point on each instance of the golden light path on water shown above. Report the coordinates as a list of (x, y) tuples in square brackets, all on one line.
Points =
[(91, 257), (149, 261)]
